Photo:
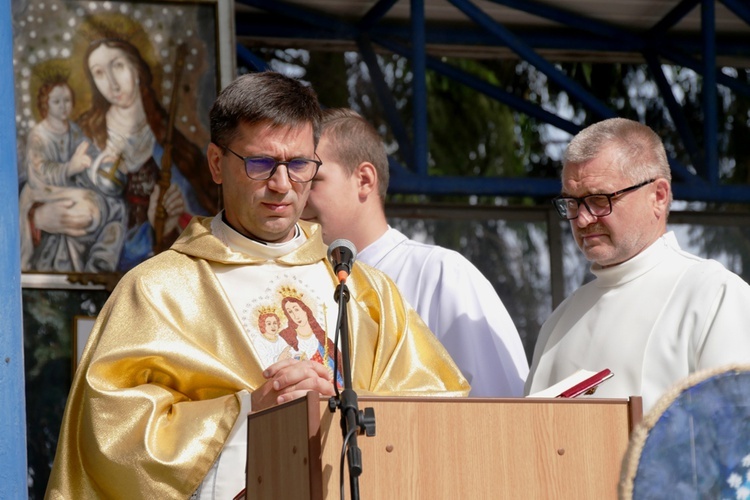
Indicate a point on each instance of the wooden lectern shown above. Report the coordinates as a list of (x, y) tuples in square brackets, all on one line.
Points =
[(445, 448)]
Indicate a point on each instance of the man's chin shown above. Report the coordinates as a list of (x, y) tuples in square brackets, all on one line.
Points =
[(595, 253), (603, 259)]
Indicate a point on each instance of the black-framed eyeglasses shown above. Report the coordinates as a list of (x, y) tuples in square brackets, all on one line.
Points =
[(261, 168), (598, 205)]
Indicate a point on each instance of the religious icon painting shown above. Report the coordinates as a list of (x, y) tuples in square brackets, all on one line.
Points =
[(112, 102)]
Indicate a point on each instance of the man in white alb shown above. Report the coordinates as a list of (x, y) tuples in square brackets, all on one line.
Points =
[(655, 313), (452, 296)]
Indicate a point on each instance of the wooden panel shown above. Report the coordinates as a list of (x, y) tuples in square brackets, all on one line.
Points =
[(477, 448), (278, 461)]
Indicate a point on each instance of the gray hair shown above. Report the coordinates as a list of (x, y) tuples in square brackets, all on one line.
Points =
[(639, 151)]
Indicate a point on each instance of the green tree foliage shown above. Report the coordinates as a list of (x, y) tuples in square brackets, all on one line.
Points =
[(48, 332)]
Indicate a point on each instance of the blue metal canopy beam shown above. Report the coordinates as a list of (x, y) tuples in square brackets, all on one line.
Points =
[(528, 54), (419, 38), (740, 8)]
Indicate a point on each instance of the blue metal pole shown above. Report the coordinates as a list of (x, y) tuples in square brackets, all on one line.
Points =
[(419, 84), (710, 98), (12, 401)]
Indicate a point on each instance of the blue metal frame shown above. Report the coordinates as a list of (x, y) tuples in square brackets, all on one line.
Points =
[(13, 466), (656, 45)]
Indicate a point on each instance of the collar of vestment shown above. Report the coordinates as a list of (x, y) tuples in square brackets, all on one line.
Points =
[(199, 240), (639, 265)]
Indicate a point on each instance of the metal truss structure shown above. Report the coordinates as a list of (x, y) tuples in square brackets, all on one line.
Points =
[(695, 34)]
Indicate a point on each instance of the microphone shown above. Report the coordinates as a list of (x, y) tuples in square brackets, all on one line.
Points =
[(342, 255)]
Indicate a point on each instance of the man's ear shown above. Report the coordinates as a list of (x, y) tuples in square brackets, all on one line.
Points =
[(663, 196), (214, 155), (367, 179)]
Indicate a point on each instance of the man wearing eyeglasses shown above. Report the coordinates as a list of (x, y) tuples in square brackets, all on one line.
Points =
[(655, 313), (176, 359)]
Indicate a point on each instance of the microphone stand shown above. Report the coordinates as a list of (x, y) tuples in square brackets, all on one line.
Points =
[(353, 421)]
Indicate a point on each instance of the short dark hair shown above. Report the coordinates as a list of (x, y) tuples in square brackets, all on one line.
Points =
[(354, 141), (263, 97)]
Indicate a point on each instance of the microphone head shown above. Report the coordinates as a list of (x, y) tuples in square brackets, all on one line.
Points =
[(342, 254)]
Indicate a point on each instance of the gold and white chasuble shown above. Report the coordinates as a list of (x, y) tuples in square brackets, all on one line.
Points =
[(173, 358)]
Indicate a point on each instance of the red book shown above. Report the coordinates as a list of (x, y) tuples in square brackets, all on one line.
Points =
[(577, 384), (588, 385)]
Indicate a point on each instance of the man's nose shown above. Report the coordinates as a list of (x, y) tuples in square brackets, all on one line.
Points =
[(584, 217), (280, 181)]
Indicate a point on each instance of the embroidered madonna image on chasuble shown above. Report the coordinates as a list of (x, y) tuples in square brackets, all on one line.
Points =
[(293, 321)]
